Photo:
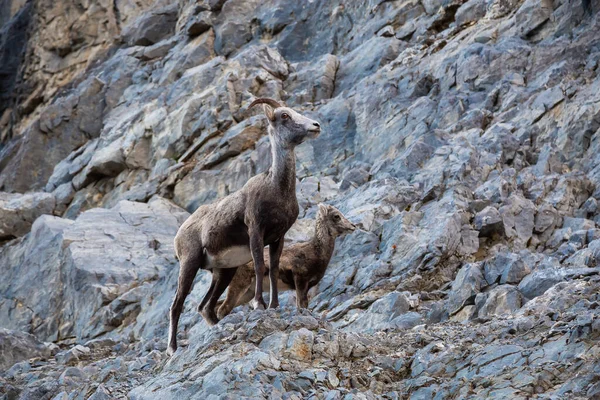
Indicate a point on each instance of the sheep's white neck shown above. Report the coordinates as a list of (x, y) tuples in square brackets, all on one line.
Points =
[(283, 164)]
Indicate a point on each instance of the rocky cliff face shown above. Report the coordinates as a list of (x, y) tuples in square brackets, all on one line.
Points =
[(460, 136)]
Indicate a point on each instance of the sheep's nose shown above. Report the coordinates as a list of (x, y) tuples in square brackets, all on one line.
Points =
[(317, 125)]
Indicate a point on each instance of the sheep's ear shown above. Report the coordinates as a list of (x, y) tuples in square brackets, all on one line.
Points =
[(269, 112), (323, 209)]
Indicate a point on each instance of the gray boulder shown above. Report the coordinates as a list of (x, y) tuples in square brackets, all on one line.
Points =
[(503, 300), (19, 211), (466, 285), (536, 283), (233, 27), (489, 222), (506, 268), (471, 11), (531, 15), (380, 314), (151, 27), (65, 170), (518, 217), (546, 218), (199, 24), (18, 346), (514, 272)]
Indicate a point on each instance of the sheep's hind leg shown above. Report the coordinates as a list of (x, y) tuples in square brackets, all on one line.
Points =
[(202, 309), (207, 295), (222, 278), (237, 291), (188, 268)]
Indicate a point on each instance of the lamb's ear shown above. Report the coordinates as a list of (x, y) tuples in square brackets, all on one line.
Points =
[(323, 209), (269, 112)]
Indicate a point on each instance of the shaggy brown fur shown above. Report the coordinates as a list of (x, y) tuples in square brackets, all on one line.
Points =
[(302, 265), (231, 232)]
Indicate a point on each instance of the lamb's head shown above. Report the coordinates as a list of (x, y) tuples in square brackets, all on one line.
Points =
[(288, 126), (335, 221)]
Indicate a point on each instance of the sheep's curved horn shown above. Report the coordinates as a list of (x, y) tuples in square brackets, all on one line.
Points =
[(264, 100)]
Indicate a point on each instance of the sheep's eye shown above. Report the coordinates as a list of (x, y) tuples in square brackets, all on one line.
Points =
[(336, 217), (285, 116)]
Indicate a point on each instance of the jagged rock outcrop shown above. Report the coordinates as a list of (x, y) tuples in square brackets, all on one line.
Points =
[(460, 136)]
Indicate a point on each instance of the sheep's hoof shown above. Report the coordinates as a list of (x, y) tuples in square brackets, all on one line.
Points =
[(210, 318), (258, 305), (274, 304), (171, 350)]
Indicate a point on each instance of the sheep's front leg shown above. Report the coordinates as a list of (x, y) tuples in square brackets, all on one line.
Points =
[(275, 250), (257, 248)]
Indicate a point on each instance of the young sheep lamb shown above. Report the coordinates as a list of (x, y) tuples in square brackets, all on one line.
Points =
[(235, 230), (302, 265)]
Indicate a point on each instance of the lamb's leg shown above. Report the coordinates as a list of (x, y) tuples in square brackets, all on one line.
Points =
[(301, 293), (238, 288), (223, 278), (246, 297), (275, 250), (257, 247), (187, 272)]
